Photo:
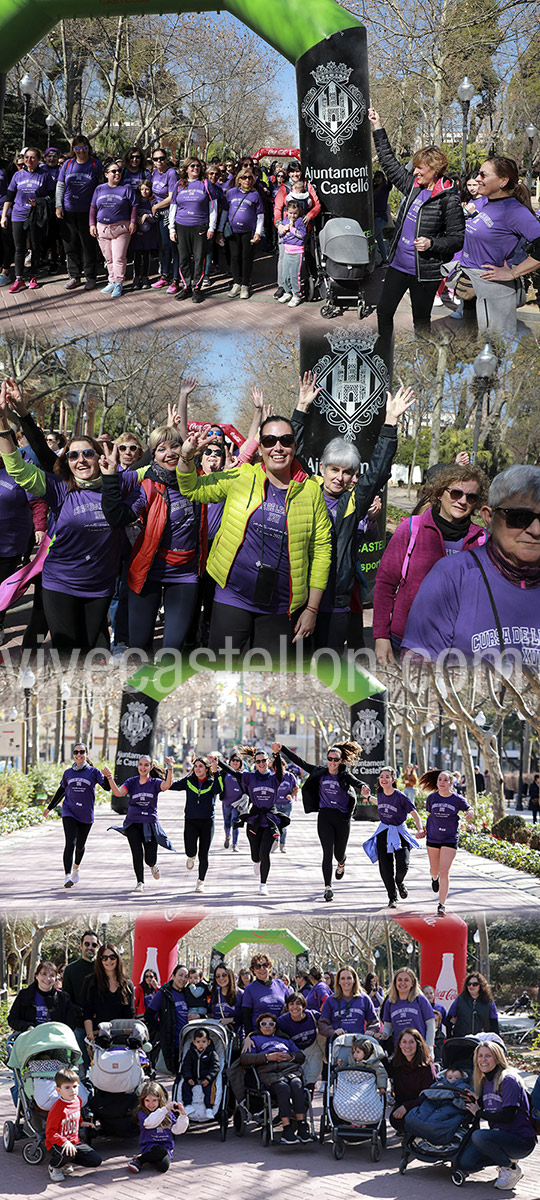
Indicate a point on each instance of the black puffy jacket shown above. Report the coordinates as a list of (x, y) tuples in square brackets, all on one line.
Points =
[(22, 1014), (311, 796), (440, 218)]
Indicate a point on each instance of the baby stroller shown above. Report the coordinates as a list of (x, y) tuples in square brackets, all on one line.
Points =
[(353, 1110), (343, 263), (36, 1055), (118, 1068), (223, 1045), (457, 1052)]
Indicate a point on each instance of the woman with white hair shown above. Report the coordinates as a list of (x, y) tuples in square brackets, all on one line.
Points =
[(487, 600)]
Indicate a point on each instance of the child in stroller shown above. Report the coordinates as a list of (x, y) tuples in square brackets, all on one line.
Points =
[(200, 1066), (211, 1057), (355, 1094), (438, 1129), (363, 1051), (35, 1057)]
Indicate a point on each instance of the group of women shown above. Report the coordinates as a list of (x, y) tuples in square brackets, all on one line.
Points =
[(285, 1031)]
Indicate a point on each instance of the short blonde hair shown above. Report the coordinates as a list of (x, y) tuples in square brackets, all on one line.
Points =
[(433, 156), (163, 433)]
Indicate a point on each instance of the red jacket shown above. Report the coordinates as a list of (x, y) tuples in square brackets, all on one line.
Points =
[(63, 1123), (394, 594), (280, 201)]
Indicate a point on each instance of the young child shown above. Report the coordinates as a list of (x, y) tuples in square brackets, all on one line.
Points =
[(62, 1129), (145, 240), (369, 1054), (200, 1065), (442, 1108), (294, 232), (159, 1119)]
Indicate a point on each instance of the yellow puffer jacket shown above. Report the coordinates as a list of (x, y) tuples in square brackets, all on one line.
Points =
[(308, 525)]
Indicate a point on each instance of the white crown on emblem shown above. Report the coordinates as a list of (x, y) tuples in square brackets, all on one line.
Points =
[(331, 73)]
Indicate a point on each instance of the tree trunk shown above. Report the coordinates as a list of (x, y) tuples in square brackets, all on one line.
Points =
[(420, 747), (466, 755), (483, 946), (434, 446)]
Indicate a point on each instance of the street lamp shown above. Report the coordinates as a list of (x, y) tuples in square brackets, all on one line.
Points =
[(28, 680), (28, 88), (65, 693), (484, 367), (49, 121), (465, 94), (519, 801), (531, 132)]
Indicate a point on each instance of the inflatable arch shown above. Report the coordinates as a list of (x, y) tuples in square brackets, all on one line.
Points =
[(325, 43), (443, 942)]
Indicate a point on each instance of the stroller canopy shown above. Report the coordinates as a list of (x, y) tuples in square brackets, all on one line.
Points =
[(344, 241), (213, 1029), (50, 1036)]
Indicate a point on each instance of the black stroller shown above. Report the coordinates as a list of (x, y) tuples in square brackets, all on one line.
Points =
[(457, 1052), (343, 264)]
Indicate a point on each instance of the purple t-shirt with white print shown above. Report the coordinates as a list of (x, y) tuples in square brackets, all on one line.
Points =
[(332, 794), (244, 208), (26, 186), (442, 822), (143, 799), (393, 809), (492, 235), (15, 517), (160, 1135), (181, 533), (193, 202), (110, 205), (405, 257), (512, 1093), (84, 555), (79, 788), (81, 180), (270, 518), (163, 183)]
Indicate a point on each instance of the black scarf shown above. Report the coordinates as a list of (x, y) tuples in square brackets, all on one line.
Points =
[(452, 531), (161, 475)]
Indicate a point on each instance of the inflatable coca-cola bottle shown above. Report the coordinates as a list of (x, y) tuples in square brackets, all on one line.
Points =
[(446, 987)]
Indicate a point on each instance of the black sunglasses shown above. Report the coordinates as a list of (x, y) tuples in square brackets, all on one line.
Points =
[(109, 957), (214, 450), (459, 494), (333, 758), (158, 158), (271, 439), (518, 518)]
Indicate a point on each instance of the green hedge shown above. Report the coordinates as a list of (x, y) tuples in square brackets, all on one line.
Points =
[(511, 855), (22, 796)]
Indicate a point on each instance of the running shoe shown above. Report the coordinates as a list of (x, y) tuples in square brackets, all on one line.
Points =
[(116, 292), (227, 842), (283, 849), (197, 296), (440, 910), (108, 289), (160, 283), (68, 882), (183, 293), (340, 869), (508, 1178), (236, 850), (68, 1169), (134, 1166), (173, 288), (205, 284), (435, 884), (146, 283), (190, 863), (284, 299), (244, 292), (303, 1132), (402, 891), (257, 869), (328, 893), (139, 887), (90, 285), (71, 285), (55, 1174), (18, 285), (279, 293), (137, 284), (438, 302), (4, 278), (294, 302), (234, 290), (200, 885), (33, 283), (263, 889), (288, 1137), (156, 872), (75, 875), (392, 903)]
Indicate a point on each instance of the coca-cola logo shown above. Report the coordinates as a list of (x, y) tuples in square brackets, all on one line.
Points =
[(449, 994)]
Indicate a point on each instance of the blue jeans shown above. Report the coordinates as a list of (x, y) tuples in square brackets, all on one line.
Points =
[(169, 250), (286, 809), (494, 1146), (380, 223), (292, 268), (229, 816)]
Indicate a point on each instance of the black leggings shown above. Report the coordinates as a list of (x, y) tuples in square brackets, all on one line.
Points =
[(333, 828), (386, 864), (141, 851), (79, 245), (179, 601), (75, 833), (192, 248), (142, 263), (19, 238), (242, 254), (289, 1093), (262, 631), (422, 297), (261, 841), (77, 621), (6, 248), (198, 834), (157, 1155)]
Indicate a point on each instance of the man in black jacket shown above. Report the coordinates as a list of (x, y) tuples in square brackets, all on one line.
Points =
[(73, 981)]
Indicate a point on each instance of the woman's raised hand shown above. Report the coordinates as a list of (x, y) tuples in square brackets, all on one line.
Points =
[(398, 404), (187, 386), (257, 398), (14, 397), (194, 443), (275, 747), (108, 463), (374, 118), (307, 390)]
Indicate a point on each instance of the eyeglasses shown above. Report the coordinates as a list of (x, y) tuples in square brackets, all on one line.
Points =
[(158, 158), (235, 758), (272, 1023), (271, 439), (73, 455), (79, 751), (458, 494), (135, 157), (109, 957), (192, 165), (518, 518), (81, 147), (261, 759), (114, 170), (333, 758), (90, 945), (132, 449)]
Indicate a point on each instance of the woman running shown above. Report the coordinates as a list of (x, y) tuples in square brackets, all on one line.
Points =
[(331, 792), (263, 822), (391, 843), (201, 786), (231, 791), (141, 826), (77, 791), (444, 806)]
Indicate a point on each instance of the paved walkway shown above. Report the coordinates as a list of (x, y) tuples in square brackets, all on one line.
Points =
[(32, 875), (240, 1168)]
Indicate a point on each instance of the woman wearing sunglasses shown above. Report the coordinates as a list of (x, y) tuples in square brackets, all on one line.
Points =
[(488, 599), (113, 221), (77, 791), (141, 826), (192, 224), (453, 493), (109, 994), (271, 557), (77, 181), (331, 791), (134, 164), (164, 181), (263, 822), (82, 563)]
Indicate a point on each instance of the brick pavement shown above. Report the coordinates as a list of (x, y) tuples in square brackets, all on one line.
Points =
[(32, 875)]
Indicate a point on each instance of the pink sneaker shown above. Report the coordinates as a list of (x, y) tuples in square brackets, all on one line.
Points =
[(18, 286), (33, 284), (173, 288), (160, 283)]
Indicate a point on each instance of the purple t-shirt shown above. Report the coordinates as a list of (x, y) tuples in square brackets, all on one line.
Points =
[(180, 1007), (81, 180), (26, 186), (263, 1044), (286, 787), (407, 1014), (442, 823), (262, 790), (181, 533), (492, 235), (214, 513), (405, 257), (42, 1011), (262, 997), (232, 790), (135, 177), (512, 1093), (316, 996), (80, 789), (352, 1014), (160, 1135), (193, 202), (393, 809), (270, 519), (15, 517), (294, 241), (84, 555), (332, 794), (303, 1033), (143, 799), (163, 183), (244, 208), (110, 205)]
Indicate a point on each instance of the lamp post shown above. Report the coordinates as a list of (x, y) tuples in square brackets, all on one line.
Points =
[(484, 367), (65, 694), (28, 88), (49, 121), (465, 94), (519, 801), (531, 132), (28, 680)]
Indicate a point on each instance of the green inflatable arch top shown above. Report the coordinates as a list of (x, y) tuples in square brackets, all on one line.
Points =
[(351, 684), (291, 26), (260, 937)]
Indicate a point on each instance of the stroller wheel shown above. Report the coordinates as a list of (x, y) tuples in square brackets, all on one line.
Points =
[(376, 1149), (338, 1148), (266, 1135), (8, 1136), (328, 310), (322, 1128), (239, 1121), (458, 1178), (224, 1123), (403, 1165), (33, 1152)]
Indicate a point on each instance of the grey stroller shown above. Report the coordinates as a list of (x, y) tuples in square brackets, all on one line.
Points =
[(343, 264)]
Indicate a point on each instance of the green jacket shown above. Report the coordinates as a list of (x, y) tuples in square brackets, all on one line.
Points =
[(309, 529)]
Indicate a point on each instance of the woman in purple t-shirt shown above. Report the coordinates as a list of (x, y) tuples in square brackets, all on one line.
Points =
[(391, 843), (141, 825), (77, 181), (504, 1104), (164, 180), (26, 188), (113, 221), (244, 215), (77, 790), (444, 807), (192, 223)]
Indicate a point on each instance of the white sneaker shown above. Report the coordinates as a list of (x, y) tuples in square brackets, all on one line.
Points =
[(263, 889), (205, 284), (295, 302), (438, 302), (68, 1169), (283, 849), (190, 863), (284, 299), (244, 292), (236, 850), (55, 1174), (75, 875), (200, 885), (139, 887), (257, 870), (508, 1178), (68, 881), (273, 847), (234, 290), (156, 872)]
